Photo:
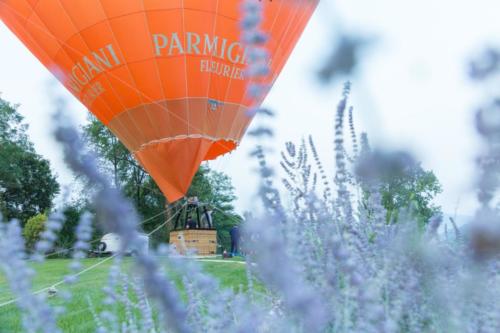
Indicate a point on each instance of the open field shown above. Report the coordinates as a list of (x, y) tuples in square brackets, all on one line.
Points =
[(77, 317)]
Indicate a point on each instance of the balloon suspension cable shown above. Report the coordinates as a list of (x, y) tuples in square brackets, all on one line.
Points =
[(63, 251), (97, 264)]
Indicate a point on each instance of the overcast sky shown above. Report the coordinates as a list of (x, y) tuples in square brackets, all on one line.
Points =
[(411, 90)]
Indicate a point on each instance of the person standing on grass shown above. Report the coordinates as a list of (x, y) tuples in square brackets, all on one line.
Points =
[(235, 239)]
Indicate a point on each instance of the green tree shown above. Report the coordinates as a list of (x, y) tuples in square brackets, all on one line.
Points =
[(33, 228), (12, 128), (416, 189), (67, 235), (209, 186), (27, 184), (402, 184)]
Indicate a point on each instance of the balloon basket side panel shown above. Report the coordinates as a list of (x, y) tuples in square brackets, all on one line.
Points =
[(201, 241)]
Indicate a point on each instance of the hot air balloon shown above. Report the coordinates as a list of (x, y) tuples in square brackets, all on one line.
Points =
[(167, 77)]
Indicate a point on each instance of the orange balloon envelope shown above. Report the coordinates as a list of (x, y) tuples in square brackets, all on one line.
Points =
[(166, 76)]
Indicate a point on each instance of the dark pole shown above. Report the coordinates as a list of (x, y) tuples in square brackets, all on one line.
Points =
[(187, 214), (207, 217), (198, 222), (179, 213)]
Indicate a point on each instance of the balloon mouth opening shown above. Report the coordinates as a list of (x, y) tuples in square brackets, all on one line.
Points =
[(173, 163), (219, 147)]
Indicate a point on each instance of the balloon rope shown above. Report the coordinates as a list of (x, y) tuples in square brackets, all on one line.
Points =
[(90, 267), (98, 239)]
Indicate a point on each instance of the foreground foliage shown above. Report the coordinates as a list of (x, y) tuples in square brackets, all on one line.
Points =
[(77, 316), (329, 263)]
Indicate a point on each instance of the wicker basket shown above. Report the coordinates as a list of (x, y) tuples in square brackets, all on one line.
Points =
[(203, 241)]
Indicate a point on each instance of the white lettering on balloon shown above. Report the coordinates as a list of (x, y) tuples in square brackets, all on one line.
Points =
[(85, 70), (217, 55), (230, 56)]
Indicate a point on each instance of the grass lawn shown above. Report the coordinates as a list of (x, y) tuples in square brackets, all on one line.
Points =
[(78, 318)]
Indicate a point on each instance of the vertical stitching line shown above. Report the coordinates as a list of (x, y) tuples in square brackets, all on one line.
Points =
[(148, 28)]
